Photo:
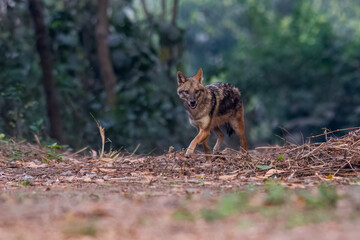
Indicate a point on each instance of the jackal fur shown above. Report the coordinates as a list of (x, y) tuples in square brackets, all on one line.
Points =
[(208, 108)]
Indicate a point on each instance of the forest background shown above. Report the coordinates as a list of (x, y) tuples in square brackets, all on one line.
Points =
[(297, 64)]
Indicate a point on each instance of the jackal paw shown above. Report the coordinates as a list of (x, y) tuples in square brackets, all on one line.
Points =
[(189, 153), (216, 152)]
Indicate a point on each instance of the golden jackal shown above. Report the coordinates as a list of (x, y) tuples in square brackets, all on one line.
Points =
[(208, 108)]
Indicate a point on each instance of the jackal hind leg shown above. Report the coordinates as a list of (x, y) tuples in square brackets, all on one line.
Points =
[(239, 127), (206, 150), (219, 141)]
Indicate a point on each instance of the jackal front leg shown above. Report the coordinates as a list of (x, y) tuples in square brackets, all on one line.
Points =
[(201, 137)]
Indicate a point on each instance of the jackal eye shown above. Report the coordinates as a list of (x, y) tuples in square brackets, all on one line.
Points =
[(185, 91)]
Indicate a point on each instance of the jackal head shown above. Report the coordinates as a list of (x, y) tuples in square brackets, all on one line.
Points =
[(191, 90)]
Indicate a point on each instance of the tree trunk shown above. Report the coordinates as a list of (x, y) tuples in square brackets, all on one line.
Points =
[(146, 11), (43, 48), (106, 68), (163, 13), (174, 12)]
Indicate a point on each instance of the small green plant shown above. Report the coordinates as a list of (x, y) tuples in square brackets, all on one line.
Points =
[(251, 188), (81, 229), (327, 197), (268, 211), (210, 214), (233, 203), (54, 145), (142, 220), (296, 219), (356, 180), (94, 197), (183, 214), (245, 224), (263, 167), (37, 126), (25, 183), (14, 154), (51, 153), (276, 193), (230, 204)]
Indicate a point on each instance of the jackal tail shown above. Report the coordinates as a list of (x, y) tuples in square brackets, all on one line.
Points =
[(229, 129)]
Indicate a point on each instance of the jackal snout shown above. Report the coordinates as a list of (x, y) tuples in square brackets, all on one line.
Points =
[(192, 102)]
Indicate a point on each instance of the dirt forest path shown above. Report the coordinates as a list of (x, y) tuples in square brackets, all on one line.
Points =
[(280, 192)]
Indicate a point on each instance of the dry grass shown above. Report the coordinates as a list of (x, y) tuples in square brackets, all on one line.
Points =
[(338, 157), (334, 158)]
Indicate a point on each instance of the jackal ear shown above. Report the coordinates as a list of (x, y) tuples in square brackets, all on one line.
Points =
[(199, 75), (181, 79)]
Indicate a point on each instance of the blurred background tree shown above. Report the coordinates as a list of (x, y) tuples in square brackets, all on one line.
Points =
[(296, 62)]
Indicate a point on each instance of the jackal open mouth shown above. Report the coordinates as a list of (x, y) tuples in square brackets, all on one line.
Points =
[(192, 105)]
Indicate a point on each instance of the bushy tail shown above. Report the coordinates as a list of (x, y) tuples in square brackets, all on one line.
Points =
[(229, 129)]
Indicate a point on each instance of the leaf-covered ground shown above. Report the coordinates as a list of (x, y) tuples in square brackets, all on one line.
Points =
[(288, 192)]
